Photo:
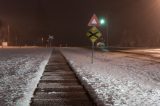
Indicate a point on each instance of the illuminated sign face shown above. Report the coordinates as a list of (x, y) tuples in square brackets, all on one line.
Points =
[(94, 21)]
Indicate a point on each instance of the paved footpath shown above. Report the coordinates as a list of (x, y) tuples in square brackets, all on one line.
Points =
[(59, 86)]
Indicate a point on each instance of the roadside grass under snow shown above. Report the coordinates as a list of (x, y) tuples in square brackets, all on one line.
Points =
[(117, 79), (20, 71)]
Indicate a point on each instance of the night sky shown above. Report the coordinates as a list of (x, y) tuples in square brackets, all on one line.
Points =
[(129, 21)]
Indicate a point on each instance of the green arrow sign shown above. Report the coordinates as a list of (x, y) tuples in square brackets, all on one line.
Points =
[(93, 34)]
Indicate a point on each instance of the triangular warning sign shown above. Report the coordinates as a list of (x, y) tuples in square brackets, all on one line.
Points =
[(94, 21)]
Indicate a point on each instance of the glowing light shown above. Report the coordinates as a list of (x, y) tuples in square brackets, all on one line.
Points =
[(102, 21)]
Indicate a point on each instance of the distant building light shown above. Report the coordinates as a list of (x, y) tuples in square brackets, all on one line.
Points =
[(4, 44)]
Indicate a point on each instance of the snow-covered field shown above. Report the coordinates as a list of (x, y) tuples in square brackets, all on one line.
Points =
[(151, 52), (117, 79), (20, 71)]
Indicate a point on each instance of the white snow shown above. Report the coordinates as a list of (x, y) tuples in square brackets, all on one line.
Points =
[(117, 79), (20, 71), (31, 86), (152, 52)]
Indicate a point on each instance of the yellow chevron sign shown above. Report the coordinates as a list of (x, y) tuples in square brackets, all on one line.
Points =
[(94, 34)]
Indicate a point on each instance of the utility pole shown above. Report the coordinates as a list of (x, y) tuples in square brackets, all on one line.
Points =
[(8, 33), (42, 41), (16, 40), (108, 35)]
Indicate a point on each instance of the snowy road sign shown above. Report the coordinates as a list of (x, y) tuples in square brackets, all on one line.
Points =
[(51, 37), (94, 21), (94, 34)]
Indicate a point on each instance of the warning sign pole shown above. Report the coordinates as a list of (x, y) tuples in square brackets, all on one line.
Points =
[(92, 51), (93, 33)]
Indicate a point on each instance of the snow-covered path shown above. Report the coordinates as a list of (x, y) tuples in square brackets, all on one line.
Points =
[(20, 70), (117, 79)]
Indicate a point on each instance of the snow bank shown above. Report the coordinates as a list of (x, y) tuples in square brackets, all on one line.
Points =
[(116, 78)]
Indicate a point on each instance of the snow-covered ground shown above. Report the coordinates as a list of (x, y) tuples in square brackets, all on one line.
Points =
[(20, 71), (151, 52), (118, 79)]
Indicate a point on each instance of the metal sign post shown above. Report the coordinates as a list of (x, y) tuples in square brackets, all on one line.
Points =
[(92, 51)]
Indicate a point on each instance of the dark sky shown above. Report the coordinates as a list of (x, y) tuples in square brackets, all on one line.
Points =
[(67, 19)]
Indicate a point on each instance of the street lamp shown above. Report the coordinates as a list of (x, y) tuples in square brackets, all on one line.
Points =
[(103, 22)]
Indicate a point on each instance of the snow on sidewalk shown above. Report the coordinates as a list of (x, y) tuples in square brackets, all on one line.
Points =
[(115, 78)]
